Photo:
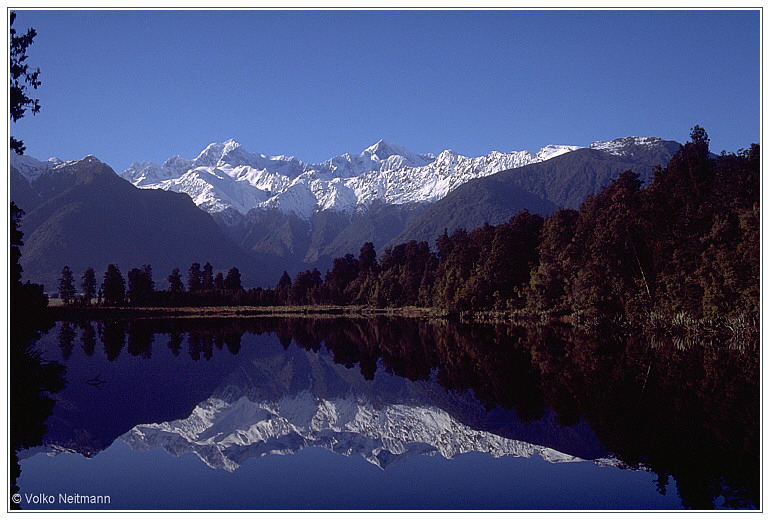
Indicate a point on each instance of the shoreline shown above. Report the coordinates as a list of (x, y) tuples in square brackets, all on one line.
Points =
[(741, 329), (74, 313)]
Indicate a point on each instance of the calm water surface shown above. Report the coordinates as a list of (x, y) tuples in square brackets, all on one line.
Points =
[(277, 414)]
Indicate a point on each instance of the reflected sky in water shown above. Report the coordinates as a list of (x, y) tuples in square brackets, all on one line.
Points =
[(309, 391), (315, 478)]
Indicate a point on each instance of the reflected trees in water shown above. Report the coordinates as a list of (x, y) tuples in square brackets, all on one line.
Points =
[(688, 412)]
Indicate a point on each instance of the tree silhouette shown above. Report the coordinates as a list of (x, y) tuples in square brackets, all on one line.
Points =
[(66, 286), (219, 282), (233, 280), (195, 278), (175, 284), (208, 277), (140, 286), (27, 299), (114, 286), (283, 288), (89, 285), (22, 78)]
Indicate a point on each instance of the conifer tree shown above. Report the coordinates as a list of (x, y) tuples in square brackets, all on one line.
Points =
[(140, 285), (88, 285), (114, 286), (219, 282), (175, 284), (67, 286), (195, 278), (208, 277), (232, 281)]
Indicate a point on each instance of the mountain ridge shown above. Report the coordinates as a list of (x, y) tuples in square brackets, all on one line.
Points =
[(351, 183), (285, 215), (82, 214)]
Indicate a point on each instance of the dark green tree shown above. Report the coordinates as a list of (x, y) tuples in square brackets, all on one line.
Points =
[(344, 271), (22, 78), (140, 286), (547, 288), (232, 281), (208, 277), (219, 282), (114, 286), (283, 289), (610, 276), (407, 275), (503, 268), (175, 284), (367, 259), (195, 278), (88, 285), (67, 286), (304, 290)]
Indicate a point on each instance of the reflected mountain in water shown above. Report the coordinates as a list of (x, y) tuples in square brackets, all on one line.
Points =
[(385, 389), (297, 399)]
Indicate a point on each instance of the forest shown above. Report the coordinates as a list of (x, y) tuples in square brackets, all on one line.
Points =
[(684, 247)]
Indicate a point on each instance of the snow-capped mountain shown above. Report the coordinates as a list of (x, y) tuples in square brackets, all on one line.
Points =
[(625, 145), (224, 433), (225, 177), (292, 215)]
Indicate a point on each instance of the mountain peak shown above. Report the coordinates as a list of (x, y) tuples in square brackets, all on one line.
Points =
[(553, 150), (230, 145), (631, 145), (215, 153), (383, 149)]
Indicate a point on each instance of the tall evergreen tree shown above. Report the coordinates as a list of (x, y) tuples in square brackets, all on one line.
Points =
[(67, 286), (88, 285), (175, 284), (140, 286), (195, 278), (283, 289), (208, 277), (367, 259), (232, 281), (114, 286), (219, 282)]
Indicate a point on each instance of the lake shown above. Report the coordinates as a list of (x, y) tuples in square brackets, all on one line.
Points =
[(380, 414)]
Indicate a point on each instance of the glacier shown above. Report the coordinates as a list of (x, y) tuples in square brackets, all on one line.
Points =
[(226, 177), (227, 180)]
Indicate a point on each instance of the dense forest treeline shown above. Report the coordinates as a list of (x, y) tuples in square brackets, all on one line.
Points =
[(685, 245)]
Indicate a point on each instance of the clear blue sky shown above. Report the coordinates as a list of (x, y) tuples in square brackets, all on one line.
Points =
[(145, 85)]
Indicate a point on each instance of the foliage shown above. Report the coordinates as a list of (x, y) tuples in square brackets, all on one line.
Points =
[(114, 286), (67, 286), (140, 286), (28, 300), (88, 285), (686, 243), (22, 78)]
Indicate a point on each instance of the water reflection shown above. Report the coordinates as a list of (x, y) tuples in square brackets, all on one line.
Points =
[(690, 415), (33, 380)]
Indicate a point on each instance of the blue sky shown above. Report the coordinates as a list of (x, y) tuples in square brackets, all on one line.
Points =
[(146, 85)]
